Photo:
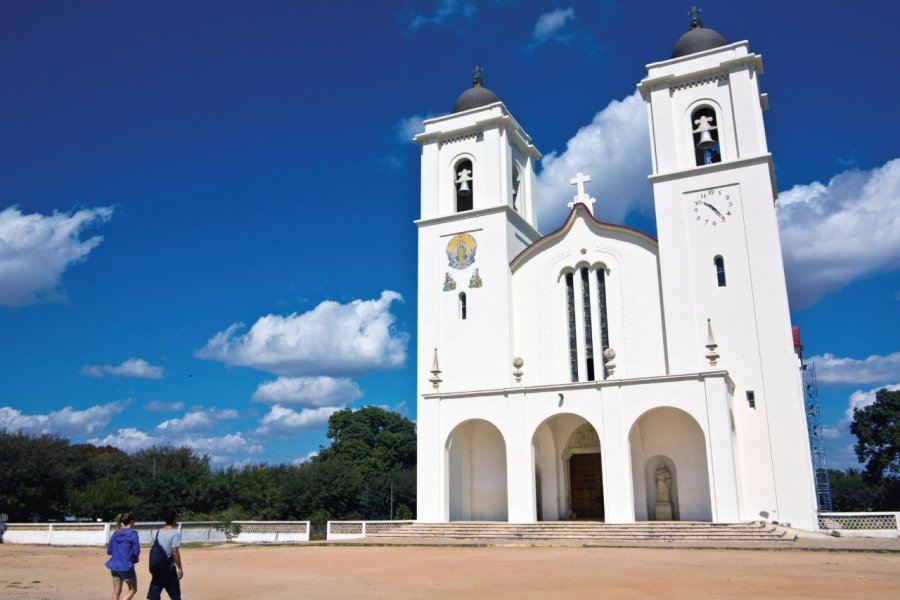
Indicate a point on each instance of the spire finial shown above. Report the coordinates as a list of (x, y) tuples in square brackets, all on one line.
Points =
[(476, 75), (695, 17)]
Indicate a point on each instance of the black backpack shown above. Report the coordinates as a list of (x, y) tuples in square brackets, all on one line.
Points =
[(159, 561)]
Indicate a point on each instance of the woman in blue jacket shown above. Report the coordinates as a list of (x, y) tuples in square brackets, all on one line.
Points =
[(124, 550)]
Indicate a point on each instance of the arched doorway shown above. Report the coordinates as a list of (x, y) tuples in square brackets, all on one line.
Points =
[(669, 467), (475, 455), (568, 470)]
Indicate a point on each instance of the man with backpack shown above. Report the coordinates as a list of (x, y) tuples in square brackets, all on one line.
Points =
[(165, 560)]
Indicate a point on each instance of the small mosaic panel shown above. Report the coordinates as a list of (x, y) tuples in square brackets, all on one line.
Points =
[(461, 251), (449, 283)]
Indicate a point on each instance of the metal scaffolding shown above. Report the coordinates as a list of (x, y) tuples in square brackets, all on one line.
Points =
[(816, 441)]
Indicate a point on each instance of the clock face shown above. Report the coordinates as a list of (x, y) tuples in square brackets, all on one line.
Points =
[(714, 207)]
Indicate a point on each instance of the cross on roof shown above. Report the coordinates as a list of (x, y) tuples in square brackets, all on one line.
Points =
[(476, 75), (695, 17), (582, 196)]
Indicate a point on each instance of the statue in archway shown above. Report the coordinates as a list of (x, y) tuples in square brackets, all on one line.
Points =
[(663, 484)]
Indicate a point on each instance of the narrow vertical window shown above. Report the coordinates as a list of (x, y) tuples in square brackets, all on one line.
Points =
[(706, 136), (588, 334), (604, 323), (516, 188), (464, 184), (720, 270), (462, 306), (570, 309)]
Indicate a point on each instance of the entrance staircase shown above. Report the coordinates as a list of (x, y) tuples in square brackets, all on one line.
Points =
[(589, 532)]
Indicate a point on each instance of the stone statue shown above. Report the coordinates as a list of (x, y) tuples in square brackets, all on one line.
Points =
[(663, 484)]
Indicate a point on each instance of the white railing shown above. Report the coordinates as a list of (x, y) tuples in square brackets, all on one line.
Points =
[(348, 530), (861, 524), (97, 534)]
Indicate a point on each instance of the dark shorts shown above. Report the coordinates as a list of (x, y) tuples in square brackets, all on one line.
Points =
[(124, 575)]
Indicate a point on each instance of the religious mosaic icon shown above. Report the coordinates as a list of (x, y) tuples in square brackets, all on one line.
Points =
[(461, 251), (449, 283), (475, 280)]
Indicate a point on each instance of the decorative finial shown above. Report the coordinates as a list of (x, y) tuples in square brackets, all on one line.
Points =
[(610, 365), (518, 363), (476, 75), (435, 372), (695, 17), (712, 356)]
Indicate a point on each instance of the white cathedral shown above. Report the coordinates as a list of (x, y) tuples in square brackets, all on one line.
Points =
[(596, 372)]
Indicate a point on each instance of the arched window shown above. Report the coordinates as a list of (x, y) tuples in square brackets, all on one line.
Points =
[(588, 329), (463, 185), (570, 314), (463, 309), (720, 270), (705, 127)]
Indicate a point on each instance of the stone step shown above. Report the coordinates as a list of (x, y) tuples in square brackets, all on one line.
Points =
[(591, 531)]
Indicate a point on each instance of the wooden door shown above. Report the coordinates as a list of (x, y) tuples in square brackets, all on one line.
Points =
[(586, 486)]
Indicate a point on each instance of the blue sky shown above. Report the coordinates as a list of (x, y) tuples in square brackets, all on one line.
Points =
[(206, 208)]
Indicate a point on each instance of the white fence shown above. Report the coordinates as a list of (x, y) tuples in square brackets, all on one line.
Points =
[(861, 524), (97, 534), (348, 530)]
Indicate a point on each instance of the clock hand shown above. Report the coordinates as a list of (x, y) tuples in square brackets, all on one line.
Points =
[(715, 210)]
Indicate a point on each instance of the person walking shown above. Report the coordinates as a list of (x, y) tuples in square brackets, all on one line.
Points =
[(124, 550), (169, 577)]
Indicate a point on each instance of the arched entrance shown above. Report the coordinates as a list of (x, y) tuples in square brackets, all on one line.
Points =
[(669, 467), (568, 470), (475, 455)]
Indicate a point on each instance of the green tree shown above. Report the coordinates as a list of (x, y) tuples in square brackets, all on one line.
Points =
[(102, 499), (877, 430), (33, 476)]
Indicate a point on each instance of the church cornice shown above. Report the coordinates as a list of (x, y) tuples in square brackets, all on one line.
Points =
[(511, 214), (587, 385), (718, 167), (579, 210), (496, 114)]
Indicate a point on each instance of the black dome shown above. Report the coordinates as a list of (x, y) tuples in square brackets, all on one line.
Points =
[(474, 97), (698, 40)]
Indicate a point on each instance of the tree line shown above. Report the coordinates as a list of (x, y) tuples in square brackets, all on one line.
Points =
[(368, 468)]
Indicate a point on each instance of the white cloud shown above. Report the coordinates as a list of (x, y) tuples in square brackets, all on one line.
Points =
[(443, 11), (331, 339), (308, 458), (221, 450), (159, 406), (834, 370), (552, 27), (128, 439), (862, 399), (66, 421), (834, 234), (409, 127), (285, 422), (196, 421), (133, 367), (614, 150), (35, 250), (308, 391)]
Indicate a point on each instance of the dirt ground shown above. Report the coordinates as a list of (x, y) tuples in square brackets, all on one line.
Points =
[(398, 572)]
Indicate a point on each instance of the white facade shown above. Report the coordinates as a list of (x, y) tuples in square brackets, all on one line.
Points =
[(698, 414)]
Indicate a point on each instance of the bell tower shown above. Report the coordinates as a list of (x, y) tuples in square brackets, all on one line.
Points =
[(720, 257), (477, 214)]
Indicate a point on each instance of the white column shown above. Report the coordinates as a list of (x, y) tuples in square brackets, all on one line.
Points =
[(720, 453), (616, 453)]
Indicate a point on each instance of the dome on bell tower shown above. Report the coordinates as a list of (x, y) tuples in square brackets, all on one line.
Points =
[(476, 96), (698, 39)]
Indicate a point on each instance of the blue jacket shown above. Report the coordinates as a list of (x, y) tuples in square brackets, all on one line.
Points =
[(124, 549)]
